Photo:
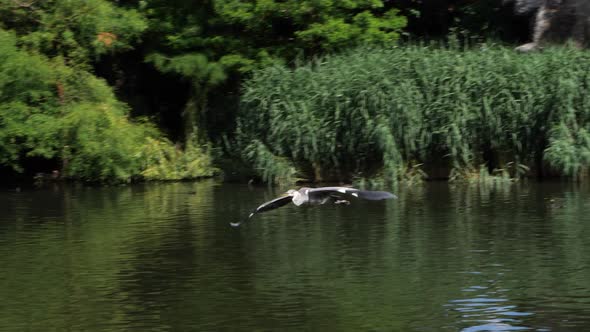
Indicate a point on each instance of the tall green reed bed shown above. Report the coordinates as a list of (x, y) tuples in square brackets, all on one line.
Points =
[(393, 114)]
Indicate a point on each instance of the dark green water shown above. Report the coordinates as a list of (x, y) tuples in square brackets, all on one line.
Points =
[(157, 258)]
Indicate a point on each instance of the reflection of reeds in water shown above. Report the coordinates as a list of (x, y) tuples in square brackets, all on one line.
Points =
[(378, 113), (163, 256)]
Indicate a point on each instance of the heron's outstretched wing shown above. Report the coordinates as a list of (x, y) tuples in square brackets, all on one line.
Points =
[(270, 205), (373, 195), (344, 191)]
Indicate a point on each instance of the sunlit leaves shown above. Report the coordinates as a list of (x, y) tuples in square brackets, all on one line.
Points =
[(337, 33), (57, 112), (77, 30)]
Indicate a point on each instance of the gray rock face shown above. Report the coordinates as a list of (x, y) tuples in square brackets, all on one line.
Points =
[(556, 21)]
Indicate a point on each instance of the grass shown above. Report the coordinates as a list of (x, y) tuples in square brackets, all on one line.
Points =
[(376, 113)]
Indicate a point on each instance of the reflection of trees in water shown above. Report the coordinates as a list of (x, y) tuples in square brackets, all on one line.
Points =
[(55, 275), (92, 257), (159, 277), (157, 256)]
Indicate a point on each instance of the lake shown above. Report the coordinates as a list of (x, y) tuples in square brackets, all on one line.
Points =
[(162, 257)]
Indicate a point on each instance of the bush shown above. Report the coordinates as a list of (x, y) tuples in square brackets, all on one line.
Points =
[(56, 112)]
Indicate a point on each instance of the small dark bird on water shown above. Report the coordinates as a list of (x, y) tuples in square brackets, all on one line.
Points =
[(318, 196)]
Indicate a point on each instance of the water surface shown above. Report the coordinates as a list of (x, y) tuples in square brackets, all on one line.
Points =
[(162, 257)]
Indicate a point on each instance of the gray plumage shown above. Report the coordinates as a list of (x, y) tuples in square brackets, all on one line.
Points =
[(319, 196)]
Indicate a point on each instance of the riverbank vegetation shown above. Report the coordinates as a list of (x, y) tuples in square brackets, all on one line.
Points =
[(283, 91), (54, 110), (380, 112), (57, 114)]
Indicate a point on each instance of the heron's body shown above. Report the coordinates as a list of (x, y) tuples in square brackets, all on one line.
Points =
[(319, 196), (305, 196)]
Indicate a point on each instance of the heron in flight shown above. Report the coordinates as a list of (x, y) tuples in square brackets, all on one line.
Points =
[(318, 196)]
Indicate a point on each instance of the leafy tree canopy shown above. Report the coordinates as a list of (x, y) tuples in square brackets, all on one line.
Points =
[(207, 42), (244, 34), (77, 30), (53, 107)]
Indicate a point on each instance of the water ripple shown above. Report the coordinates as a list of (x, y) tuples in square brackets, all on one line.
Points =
[(153, 258)]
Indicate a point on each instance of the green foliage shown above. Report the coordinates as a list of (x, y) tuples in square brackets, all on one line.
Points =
[(273, 169), (100, 143), (569, 149), (373, 112), (243, 33), (53, 111), (26, 98), (193, 66), (77, 30), (337, 32), (207, 43), (203, 75), (165, 161)]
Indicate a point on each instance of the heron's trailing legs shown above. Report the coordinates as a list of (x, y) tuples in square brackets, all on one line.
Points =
[(341, 201)]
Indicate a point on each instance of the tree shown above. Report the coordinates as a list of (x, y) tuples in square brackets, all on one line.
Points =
[(78, 31), (52, 106), (209, 42)]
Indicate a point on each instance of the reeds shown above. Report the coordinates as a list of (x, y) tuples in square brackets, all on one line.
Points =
[(378, 111)]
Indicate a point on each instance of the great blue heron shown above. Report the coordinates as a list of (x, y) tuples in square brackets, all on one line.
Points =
[(319, 196)]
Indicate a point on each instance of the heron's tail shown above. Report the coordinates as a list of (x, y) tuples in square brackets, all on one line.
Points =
[(374, 195)]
